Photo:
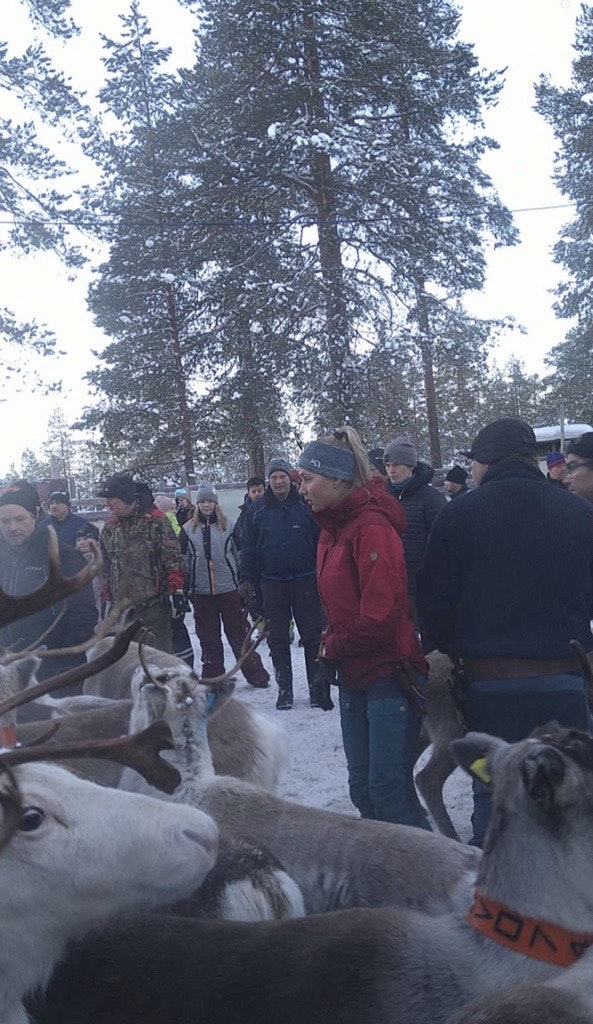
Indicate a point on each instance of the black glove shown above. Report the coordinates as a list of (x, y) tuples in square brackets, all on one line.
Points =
[(319, 690), (179, 604), (245, 589)]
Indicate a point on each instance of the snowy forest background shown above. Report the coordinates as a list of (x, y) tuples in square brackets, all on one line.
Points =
[(282, 234)]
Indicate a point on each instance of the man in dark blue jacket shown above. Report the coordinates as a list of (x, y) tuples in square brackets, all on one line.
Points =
[(65, 522), (279, 545), (506, 584)]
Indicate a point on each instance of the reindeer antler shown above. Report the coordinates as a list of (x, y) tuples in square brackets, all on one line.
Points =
[(141, 657), (248, 646), (54, 588), (58, 652), (74, 675), (140, 751)]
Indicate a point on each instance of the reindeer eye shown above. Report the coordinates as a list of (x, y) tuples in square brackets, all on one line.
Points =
[(31, 819)]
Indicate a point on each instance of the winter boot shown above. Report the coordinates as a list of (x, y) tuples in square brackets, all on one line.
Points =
[(284, 702), (283, 673), (311, 667)]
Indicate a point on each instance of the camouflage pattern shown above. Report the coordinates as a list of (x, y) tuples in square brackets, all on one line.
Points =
[(142, 558)]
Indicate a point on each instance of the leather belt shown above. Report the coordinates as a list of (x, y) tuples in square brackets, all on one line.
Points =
[(479, 669)]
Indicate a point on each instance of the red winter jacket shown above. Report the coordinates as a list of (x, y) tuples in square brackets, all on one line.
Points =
[(361, 576)]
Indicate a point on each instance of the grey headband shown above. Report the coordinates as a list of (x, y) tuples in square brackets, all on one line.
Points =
[(328, 460)]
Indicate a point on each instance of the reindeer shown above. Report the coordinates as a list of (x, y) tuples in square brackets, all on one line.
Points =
[(249, 883), (528, 920), (440, 727), (337, 861), (566, 999), (79, 856), (244, 743), (72, 854)]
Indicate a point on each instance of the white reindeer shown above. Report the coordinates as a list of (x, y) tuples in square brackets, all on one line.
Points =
[(336, 860), (244, 743), (532, 913), (82, 854), (248, 883)]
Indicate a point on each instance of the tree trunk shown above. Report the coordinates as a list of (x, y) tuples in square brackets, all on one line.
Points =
[(428, 372), (330, 246), (184, 421)]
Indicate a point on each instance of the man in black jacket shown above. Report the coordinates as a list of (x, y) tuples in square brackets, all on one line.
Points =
[(23, 568), (279, 545), (506, 584), (409, 482)]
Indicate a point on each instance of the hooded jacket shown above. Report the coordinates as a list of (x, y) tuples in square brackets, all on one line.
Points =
[(422, 503), (361, 576)]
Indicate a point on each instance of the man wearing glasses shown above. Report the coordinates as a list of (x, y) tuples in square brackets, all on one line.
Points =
[(506, 584), (579, 466)]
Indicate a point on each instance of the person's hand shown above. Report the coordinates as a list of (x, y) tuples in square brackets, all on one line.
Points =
[(179, 604), (245, 589), (319, 690)]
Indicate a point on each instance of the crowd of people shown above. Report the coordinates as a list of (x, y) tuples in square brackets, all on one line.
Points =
[(374, 565)]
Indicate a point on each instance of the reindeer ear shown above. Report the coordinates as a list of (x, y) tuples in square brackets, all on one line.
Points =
[(26, 668), (475, 753), (542, 772), (219, 694)]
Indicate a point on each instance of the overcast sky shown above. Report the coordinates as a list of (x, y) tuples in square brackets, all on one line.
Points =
[(528, 37)]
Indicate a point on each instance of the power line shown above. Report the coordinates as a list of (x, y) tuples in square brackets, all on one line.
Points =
[(176, 221)]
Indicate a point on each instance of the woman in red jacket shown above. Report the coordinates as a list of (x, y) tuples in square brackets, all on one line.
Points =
[(370, 645)]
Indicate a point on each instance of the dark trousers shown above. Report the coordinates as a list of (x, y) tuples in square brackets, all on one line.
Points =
[(511, 709), (210, 612), (180, 638), (157, 618), (380, 731), (297, 599)]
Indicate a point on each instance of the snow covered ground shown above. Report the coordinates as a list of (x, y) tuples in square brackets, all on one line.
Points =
[(317, 775)]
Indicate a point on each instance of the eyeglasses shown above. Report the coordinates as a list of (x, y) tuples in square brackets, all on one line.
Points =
[(571, 466)]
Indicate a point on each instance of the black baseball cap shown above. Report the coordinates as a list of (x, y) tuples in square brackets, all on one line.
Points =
[(500, 439), (119, 486)]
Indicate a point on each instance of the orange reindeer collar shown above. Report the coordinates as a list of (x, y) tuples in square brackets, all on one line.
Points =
[(538, 939)]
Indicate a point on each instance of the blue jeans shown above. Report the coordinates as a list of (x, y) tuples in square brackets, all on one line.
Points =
[(511, 708), (380, 731)]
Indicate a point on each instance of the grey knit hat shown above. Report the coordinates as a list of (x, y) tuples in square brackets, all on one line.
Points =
[(206, 492), (401, 450), (328, 460), (279, 465)]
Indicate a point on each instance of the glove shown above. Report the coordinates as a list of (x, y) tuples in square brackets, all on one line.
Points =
[(179, 604), (319, 691), (245, 589)]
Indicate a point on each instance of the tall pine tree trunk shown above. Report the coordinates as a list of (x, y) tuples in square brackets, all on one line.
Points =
[(330, 251), (428, 373), (184, 420)]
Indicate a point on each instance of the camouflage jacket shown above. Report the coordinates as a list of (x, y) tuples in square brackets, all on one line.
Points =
[(142, 557)]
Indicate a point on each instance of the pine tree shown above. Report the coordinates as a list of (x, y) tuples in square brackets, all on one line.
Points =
[(352, 132), (34, 200), (142, 298), (569, 111)]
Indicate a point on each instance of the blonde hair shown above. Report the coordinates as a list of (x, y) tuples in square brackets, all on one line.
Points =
[(221, 520), (346, 437)]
